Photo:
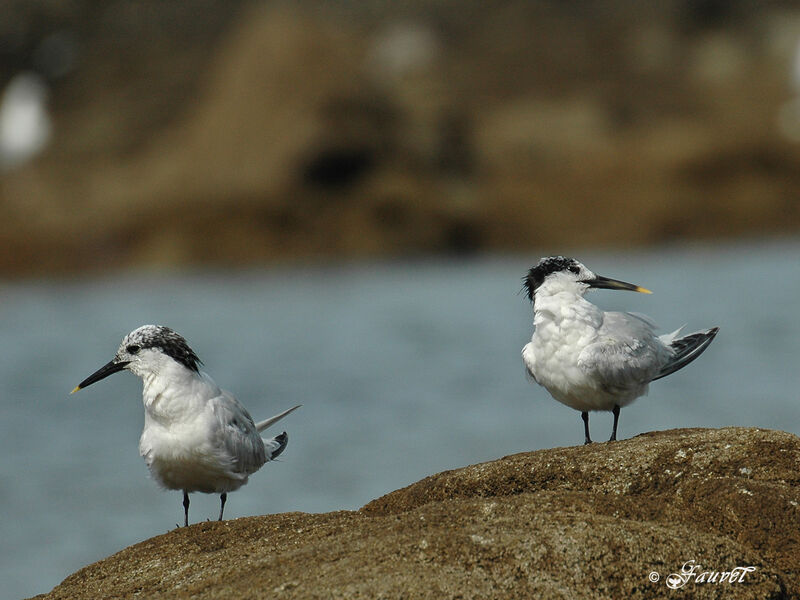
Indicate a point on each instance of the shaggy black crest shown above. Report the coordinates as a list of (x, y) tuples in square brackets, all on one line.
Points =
[(546, 266), (170, 343)]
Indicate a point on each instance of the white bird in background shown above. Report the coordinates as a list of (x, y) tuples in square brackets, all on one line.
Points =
[(196, 437), (590, 359), (24, 120)]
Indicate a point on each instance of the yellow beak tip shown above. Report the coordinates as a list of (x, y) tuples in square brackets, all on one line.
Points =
[(77, 387), (638, 289)]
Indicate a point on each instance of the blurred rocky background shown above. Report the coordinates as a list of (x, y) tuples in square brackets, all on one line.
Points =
[(218, 132)]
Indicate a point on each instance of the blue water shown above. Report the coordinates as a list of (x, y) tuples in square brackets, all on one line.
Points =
[(403, 370)]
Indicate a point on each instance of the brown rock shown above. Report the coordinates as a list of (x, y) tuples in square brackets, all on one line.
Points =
[(579, 522)]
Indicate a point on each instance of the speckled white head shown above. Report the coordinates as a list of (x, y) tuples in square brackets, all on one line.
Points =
[(144, 351)]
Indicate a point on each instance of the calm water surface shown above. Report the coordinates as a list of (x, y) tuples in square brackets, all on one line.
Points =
[(403, 370)]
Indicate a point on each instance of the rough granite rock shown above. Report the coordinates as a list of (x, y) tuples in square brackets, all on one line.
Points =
[(595, 521)]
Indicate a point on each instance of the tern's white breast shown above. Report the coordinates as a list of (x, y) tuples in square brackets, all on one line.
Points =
[(182, 442), (564, 326)]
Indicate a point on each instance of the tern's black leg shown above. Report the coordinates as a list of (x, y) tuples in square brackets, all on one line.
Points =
[(222, 497), (185, 508), (585, 417), (615, 411)]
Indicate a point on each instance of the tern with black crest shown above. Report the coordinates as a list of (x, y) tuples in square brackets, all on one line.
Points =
[(590, 359), (197, 437)]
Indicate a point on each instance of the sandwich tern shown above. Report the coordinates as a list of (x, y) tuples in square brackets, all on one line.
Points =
[(590, 359), (196, 437)]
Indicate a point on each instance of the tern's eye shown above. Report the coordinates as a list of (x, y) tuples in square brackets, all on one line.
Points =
[(133, 349)]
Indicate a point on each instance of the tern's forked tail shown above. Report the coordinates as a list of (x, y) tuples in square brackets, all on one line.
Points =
[(274, 446), (687, 349), (262, 425)]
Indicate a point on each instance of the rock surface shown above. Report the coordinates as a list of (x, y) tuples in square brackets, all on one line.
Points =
[(581, 522)]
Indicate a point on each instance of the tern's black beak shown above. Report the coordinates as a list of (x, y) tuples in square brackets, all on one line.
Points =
[(614, 284), (101, 373)]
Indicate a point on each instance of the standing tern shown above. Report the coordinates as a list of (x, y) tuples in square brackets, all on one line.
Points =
[(590, 359), (196, 437)]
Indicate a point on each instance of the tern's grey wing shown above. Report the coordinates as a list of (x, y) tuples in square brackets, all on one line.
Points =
[(627, 353), (237, 435)]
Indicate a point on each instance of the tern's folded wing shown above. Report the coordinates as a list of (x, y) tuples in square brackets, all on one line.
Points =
[(626, 354), (276, 445), (236, 434)]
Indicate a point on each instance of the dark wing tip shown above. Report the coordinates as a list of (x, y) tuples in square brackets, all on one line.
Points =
[(282, 439), (687, 349)]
